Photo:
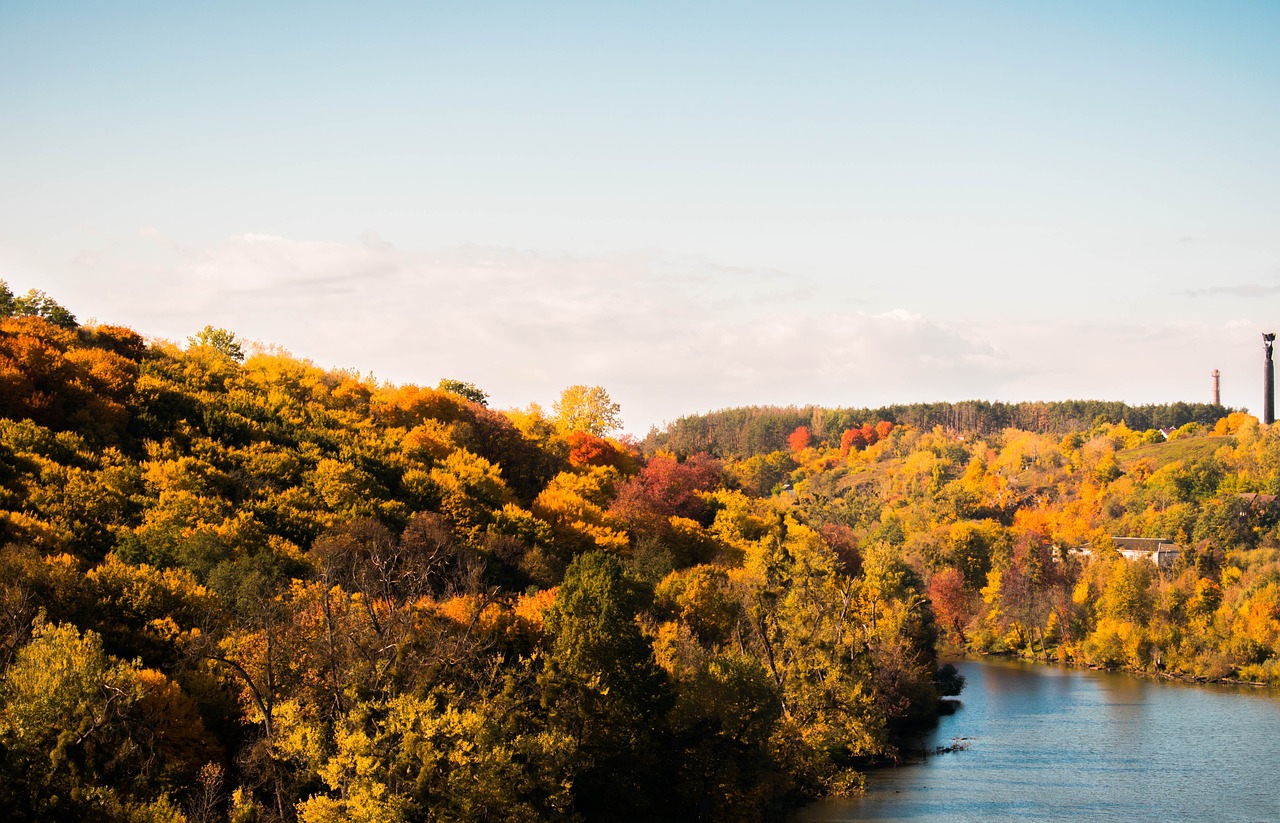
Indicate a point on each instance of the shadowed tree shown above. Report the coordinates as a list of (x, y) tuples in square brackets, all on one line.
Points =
[(605, 691)]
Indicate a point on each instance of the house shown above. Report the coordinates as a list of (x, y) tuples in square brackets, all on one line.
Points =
[(1154, 549), (1259, 503), (1164, 553)]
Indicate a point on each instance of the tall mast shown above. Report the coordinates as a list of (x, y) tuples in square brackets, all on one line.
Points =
[(1268, 382)]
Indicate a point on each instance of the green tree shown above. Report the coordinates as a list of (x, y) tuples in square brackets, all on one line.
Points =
[(465, 390), (6, 300), (36, 304), (219, 340), (605, 691)]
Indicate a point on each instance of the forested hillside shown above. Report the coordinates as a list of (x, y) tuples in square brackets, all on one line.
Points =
[(1016, 535), (237, 586)]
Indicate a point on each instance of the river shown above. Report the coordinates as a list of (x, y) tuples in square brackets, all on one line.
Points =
[(1052, 743)]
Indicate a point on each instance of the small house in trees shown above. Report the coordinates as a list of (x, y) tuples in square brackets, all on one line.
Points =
[(1153, 549), (1258, 503), (1163, 553)]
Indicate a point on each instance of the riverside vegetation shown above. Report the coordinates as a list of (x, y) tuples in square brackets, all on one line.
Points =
[(236, 586)]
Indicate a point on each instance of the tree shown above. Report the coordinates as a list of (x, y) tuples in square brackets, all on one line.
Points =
[(468, 391), (804, 619), (573, 503), (666, 489), (585, 449), (587, 408), (219, 340), (852, 440), (950, 601), (87, 737), (605, 690), (35, 304), (799, 439)]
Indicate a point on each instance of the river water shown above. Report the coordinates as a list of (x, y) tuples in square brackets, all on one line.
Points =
[(1051, 743)]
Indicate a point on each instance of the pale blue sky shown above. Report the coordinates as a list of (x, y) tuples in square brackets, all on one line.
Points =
[(841, 203)]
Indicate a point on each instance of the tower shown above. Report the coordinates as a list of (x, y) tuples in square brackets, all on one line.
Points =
[(1268, 382), (1217, 395)]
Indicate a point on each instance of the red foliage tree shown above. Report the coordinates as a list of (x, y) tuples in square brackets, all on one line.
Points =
[(799, 439), (950, 601), (665, 488), (852, 439), (883, 428), (585, 449)]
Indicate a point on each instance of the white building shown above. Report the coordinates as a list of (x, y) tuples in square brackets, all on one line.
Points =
[(1164, 553)]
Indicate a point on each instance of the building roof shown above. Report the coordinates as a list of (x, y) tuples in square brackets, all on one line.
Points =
[(1149, 544)]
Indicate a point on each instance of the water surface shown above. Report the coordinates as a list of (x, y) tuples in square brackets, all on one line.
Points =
[(1050, 743)]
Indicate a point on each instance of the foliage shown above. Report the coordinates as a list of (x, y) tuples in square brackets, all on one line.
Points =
[(747, 431), (588, 409), (35, 303), (467, 391), (219, 341)]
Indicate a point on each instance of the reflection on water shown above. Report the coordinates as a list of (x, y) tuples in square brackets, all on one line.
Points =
[(1051, 743)]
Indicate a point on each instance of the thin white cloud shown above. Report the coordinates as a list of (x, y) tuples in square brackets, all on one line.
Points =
[(669, 333), (666, 335), (1246, 290)]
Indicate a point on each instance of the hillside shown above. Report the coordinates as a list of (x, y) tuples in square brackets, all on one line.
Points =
[(237, 586)]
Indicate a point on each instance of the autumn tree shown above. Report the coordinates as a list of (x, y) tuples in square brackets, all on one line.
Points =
[(586, 408), (664, 489), (586, 449), (950, 601), (86, 736), (799, 439), (852, 440)]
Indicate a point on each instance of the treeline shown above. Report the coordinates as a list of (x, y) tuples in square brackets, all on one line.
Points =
[(235, 586), (753, 430)]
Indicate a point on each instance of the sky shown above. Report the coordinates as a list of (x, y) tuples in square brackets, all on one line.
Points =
[(694, 205)]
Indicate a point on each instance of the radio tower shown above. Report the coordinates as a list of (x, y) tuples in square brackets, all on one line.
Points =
[(1268, 382)]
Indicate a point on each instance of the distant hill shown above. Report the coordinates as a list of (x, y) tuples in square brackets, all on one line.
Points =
[(750, 430)]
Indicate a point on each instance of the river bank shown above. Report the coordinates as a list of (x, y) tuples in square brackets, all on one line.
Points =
[(1073, 664)]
